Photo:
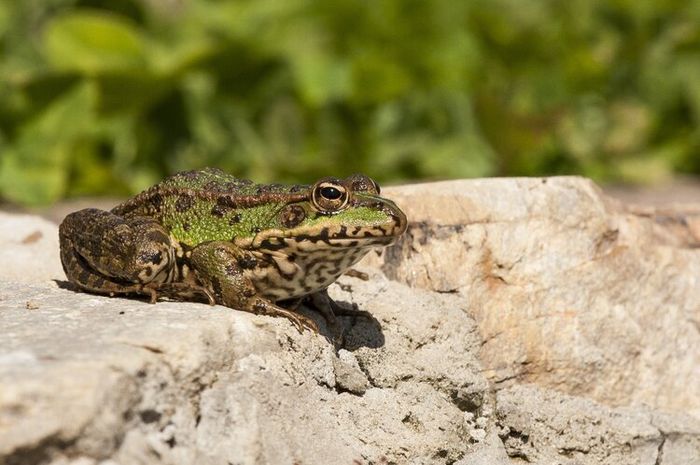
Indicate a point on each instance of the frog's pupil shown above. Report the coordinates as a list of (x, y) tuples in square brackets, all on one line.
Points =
[(330, 193)]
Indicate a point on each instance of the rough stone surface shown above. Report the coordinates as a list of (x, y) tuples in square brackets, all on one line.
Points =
[(28, 248), (88, 380), (98, 378), (544, 427), (570, 290)]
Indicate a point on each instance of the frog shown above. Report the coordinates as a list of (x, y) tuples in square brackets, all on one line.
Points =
[(205, 235)]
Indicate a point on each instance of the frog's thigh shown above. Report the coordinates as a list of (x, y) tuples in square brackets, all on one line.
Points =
[(217, 267), (104, 252)]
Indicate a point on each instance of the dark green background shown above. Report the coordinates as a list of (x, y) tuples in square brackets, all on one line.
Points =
[(107, 97)]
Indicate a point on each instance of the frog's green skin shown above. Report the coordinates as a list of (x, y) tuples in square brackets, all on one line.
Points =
[(244, 245)]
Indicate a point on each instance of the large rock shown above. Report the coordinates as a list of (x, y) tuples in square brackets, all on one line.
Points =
[(570, 290), (87, 380), (93, 377)]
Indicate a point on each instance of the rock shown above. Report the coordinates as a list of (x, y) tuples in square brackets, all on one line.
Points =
[(489, 451), (28, 249), (680, 444), (429, 379), (570, 290), (544, 427), (348, 374)]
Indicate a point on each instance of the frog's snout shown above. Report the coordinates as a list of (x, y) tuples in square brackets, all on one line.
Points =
[(398, 217)]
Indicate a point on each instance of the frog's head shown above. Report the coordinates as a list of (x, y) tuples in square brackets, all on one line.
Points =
[(334, 214)]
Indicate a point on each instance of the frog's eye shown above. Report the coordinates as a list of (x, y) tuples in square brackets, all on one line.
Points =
[(329, 196), (330, 193)]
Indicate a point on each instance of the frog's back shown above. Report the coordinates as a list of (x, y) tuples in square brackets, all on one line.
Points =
[(208, 204), (208, 180)]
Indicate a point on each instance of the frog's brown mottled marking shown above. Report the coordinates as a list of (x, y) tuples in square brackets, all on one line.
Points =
[(120, 256), (205, 234)]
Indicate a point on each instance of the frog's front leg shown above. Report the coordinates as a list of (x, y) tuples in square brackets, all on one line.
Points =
[(220, 266), (107, 254)]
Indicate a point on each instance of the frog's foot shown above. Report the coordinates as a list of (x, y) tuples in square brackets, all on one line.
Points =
[(264, 307), (113, 289), (178, 291), (330, 310), (326, 307)]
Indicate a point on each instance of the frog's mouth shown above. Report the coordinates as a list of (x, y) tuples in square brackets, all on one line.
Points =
[(336, 233), (342, 237)]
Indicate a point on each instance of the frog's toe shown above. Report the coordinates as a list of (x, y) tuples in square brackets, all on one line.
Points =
[(210, 297), (311, 325), (302, 322), (152, 294)]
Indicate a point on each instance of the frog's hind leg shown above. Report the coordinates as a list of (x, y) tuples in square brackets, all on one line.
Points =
[(108, 254)]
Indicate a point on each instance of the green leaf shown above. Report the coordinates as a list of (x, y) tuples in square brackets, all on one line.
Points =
[(321, 78), (93, 42), (642, 170), (35, 169), (4, 18)]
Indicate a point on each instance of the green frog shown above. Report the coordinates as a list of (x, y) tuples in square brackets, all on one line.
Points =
[(206, 235)]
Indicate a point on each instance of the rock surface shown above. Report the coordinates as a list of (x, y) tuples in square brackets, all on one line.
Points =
[(546, 427), (28, 248), (570, 290), (189, 383), (87, 380)]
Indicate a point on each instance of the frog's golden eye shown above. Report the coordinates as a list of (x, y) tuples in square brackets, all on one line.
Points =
[(329, 196)]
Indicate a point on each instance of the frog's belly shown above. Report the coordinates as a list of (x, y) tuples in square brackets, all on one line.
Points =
[(280, 277)]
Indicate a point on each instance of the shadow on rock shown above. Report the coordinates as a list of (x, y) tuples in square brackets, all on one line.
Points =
[(361, 330), (355, 328)]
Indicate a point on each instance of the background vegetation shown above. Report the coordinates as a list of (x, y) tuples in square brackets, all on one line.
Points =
[(107, 97)]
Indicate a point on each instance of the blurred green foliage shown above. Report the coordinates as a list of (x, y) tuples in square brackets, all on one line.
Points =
[(107, 97)]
